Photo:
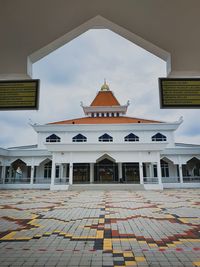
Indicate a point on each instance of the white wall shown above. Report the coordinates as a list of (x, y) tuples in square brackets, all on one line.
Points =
[(119, 156), (118, 136)]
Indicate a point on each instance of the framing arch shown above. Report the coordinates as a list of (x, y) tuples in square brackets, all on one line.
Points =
[(98, 22)]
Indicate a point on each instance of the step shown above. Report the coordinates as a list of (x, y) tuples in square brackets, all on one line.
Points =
[(80, 187)]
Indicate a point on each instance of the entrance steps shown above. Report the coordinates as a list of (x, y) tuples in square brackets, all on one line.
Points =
[(81, 187)]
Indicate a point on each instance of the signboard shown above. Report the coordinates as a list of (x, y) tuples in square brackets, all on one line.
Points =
[(179, 92), (19, 94)]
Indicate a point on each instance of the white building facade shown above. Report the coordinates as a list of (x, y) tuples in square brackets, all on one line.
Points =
[(103, 147)]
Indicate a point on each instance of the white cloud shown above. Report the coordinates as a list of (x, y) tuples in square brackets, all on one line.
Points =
[(75, 73)]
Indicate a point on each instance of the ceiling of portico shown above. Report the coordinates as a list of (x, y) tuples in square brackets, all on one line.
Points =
[(32, 29)]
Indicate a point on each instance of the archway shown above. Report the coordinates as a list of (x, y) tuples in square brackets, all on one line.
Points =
[(105, 170), (18, 172)]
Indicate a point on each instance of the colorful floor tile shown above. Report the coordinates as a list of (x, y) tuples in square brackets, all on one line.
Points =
[(100, 228)]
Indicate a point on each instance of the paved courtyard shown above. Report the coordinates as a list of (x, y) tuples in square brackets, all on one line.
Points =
[(100, 228)]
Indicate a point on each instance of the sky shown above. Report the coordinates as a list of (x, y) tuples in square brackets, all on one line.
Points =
[(75, 73)]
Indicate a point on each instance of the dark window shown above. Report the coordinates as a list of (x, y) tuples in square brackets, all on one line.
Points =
[(131, 138), (112, 114), (159, 137), (57, 171), (79, 138), (164, 168), (105, 138), (53, 138), (97, 114), (47, 169), (155, 171), (92, 115), (107, 114), (102, 114), (117, 114)]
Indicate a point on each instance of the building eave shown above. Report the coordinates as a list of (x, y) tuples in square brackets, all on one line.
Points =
[(112, 127)]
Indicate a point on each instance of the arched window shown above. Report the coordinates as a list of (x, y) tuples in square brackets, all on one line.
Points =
[(159, 137), (53, 138), (79, 138), (131, 138), (105, 138)]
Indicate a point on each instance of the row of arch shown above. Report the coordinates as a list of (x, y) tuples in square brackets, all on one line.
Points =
[(106, 138)]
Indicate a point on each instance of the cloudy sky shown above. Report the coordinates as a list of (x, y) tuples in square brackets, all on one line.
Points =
[(76, 71)]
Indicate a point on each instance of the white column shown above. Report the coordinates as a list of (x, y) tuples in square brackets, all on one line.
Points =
[(53, 172), (180, 173), (91, 173), (120, 170), (3, 174), (159, 172), (71, 173), (32, 174), (150, 170), (61, 171), (141, 173)]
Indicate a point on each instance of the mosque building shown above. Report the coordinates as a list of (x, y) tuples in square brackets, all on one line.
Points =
[(105, 147)]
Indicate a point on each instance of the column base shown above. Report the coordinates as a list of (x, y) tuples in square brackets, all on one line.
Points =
[(55, 187)]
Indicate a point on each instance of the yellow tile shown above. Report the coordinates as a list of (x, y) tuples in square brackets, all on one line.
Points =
[(196, 263), (116, 251), (9, 236), (128, 254), (184, 220), (177, 242), (101, 220), (61, 233), (23, 238), (47, 233), (169, 216), (142, 242), (170, 245), (38, 235), (139, 259), (130, 263), (99, 234)]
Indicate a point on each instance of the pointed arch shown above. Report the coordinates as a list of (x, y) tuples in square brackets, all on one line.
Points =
[(53, 138), (131, 138), (105, 156), (79, 138), (105, 138), (158, 137)]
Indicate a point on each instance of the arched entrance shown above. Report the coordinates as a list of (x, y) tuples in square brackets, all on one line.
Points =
[(18, 172), (105, 171)]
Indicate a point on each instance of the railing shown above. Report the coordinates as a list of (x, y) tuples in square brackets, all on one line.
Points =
[(150, 180), (42, 180), (14, 180), (170, 179), (191, 179), (61, 180)]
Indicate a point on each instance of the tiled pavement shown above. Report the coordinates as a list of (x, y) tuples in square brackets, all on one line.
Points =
[(100, 228)]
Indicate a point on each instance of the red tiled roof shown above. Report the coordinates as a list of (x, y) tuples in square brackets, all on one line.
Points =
[(105, 98), (105, 120)]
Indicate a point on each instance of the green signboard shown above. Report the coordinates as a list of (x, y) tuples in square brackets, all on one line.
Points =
[(19, 94), (179, 92)]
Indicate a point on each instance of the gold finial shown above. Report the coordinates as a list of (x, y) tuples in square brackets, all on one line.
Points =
[(105, 87)]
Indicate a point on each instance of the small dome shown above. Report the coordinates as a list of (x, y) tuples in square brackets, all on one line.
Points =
[(105, 87)]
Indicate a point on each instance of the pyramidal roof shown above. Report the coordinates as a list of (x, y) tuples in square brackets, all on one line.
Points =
[(105, 102), (105, 97)]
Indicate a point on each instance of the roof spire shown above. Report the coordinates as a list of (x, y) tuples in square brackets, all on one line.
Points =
[(105, 87)]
